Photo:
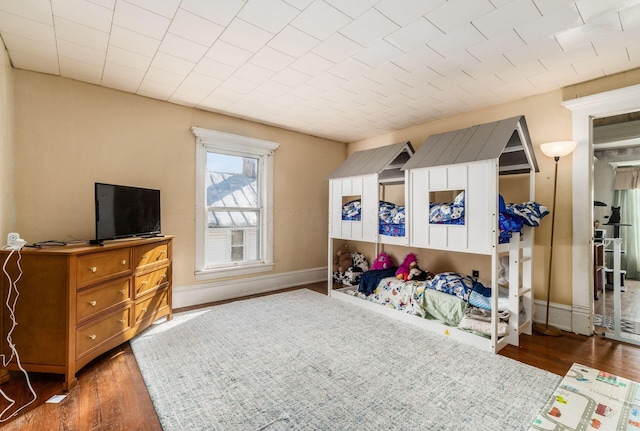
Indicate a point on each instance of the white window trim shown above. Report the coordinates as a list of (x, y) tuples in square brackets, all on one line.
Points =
[(239, 145)]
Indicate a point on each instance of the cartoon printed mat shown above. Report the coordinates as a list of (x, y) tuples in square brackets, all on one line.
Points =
[(589, 399)]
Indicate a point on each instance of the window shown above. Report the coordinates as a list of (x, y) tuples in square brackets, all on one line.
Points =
[(233, 204)]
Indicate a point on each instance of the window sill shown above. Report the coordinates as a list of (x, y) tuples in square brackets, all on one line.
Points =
[(212, 274)]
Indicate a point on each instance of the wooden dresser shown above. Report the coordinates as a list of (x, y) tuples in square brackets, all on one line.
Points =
[(77, 302)]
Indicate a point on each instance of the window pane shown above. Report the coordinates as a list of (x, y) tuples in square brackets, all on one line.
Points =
[(232, 236), (231, 181)]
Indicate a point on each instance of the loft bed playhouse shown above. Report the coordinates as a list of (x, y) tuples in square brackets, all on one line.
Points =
[(463, 166)]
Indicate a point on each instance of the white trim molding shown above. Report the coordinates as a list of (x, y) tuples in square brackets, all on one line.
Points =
[(186, 296), (583, 110)]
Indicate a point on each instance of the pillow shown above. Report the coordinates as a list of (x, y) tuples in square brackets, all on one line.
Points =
[(454, 284)]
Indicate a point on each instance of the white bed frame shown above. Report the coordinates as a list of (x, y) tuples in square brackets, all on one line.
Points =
[(479, 235)]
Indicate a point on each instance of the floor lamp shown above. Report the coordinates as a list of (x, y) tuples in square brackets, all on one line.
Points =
[(555, 150)]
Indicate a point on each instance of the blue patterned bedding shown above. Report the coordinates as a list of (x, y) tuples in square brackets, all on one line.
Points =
[(391, 217)]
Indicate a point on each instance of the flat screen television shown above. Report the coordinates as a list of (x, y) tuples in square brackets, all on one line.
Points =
[(124, 211)]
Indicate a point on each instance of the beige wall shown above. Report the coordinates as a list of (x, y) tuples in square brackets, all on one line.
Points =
[(69, 135), (6, 146), (547, 120)]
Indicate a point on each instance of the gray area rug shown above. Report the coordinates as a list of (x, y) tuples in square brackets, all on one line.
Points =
[(303, 361)]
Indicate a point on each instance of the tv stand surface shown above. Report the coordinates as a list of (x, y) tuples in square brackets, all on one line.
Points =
[(78, 302)]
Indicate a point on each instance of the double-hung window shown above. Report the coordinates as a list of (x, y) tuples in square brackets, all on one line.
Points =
[(234, 190)]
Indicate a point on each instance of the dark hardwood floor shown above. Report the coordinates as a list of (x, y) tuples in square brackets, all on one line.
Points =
[(111, 394)]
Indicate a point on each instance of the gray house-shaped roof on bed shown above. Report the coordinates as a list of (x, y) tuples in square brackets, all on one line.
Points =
[(507, 140), (386, 161)]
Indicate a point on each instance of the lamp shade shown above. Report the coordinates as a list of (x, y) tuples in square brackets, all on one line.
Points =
[(558, 149)]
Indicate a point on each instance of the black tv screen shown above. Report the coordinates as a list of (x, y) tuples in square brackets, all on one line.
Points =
[(123, 211)]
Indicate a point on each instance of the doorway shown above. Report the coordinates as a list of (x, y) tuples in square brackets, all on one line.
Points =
[(616, 190), (584, 110)]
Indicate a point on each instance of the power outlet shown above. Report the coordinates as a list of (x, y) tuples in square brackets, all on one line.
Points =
[(475, 273)]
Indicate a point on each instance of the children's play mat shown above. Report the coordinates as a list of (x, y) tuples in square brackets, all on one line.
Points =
[(589, 399)]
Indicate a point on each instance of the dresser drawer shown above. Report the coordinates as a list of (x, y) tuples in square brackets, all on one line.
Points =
[(151, 280), (150, 307), (150, 254), (91, 301), (101, 266), (94, 335)]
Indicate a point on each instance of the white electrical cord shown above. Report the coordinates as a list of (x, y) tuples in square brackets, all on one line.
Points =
[(11, 307)]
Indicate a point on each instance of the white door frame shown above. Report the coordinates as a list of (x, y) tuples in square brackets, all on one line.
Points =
[(583, 110)]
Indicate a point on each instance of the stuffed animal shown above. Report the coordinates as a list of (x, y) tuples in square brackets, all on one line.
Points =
[(383, 261), (403, 270), (344, 260), (417, 274)]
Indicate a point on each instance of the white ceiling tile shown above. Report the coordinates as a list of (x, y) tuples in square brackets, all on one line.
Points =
[(19, 44), (550, 79), (140, 20), (311, 64), (270, 15), (418, 59), (487, 68), (166, 8), (220, 98), (214, 69), (188, 94), (616, 41), (134, 42), (499, 45), (27, 28), (246, 36), (332, 20), (368, 27), (291, 77), (337, 48), (293, 42), (253, 73), (36, 10), (299, 4), (85, 12), (590, 9), (386, 72), (326, 81), (164, 77), (81, 53), (220, 12), (509, 16), (453, 81), (228, 54), (464, 37), (129, 59), (532, 51), (393, 86), (201, 80), (455, 13), (271, 59), (630, 17), (115, 73), (565, 58), (349, 69), (192, 27), (172, 64), (521, 72), (182, 48), (552, 23), (352, 8), (25, 61), (585, 34), (414, 35), (360, 84), (378, 53), (273, 88), (408, 11), (601, 63), (548, 6), (80, 70), (420, 77), (88, 36), (454, 63)]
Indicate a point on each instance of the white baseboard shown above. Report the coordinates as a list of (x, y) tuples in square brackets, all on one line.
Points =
[(186, 296), (559, 314)]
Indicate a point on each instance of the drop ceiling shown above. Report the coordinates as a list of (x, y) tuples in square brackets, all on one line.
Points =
[(340, 69)]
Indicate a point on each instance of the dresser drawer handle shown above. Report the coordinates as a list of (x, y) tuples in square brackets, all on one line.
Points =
[(144, 310), (123, 262), (123, 291), (93, 269), (121, 321), (92, 336), (92, 303), (144, 256)]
